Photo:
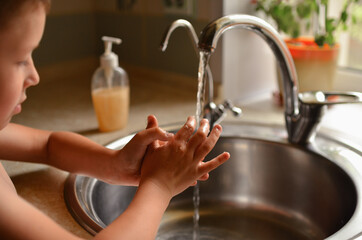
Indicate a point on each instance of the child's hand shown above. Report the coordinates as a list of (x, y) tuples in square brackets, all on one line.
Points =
[(177, 164), (132, 154)]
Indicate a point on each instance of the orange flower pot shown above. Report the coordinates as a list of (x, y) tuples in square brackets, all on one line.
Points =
[(316, 66)]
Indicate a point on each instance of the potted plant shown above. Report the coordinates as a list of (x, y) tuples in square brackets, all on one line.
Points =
[(315, 57)]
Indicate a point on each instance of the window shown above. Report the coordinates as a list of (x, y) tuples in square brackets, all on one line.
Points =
[(349, 76), (351, 41)]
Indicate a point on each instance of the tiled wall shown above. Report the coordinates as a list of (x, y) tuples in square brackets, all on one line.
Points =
[(74, 29)]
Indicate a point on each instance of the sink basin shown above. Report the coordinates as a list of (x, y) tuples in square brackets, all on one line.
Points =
[(269, 189)]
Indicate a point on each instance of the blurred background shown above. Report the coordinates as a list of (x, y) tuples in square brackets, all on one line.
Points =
[(72, 37), (242, 64)]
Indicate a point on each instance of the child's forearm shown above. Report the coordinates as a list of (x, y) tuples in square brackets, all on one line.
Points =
[(65, 150), (143, 216), (77, 154)]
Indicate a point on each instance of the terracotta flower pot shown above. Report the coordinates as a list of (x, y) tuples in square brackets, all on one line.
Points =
[(316, 66)]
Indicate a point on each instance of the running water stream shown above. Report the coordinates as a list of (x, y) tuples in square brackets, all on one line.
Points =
[(204, 59)]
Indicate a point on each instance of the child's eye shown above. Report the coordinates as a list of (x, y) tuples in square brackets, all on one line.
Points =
[(23, 63)]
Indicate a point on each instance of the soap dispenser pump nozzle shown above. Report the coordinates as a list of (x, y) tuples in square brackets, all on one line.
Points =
[(108, 41), (109, 60)]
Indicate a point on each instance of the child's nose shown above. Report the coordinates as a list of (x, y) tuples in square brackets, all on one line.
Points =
[(33, 77)]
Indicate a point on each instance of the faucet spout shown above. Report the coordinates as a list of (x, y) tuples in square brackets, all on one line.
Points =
[(192, 34), (214, 113)]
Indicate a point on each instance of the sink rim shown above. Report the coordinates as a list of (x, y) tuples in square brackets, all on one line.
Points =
[(81, 209)]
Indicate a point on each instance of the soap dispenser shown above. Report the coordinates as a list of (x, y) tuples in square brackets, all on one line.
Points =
[(110, 90)]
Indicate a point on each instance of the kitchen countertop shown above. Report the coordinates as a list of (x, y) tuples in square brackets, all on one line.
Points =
[(67, 106)]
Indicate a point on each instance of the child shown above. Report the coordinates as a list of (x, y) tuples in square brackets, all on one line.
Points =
[(160, 163)]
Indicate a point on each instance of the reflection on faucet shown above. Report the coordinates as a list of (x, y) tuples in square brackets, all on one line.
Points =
[(301, 117)]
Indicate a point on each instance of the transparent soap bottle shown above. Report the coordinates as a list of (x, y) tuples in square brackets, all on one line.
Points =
[(110, 90)]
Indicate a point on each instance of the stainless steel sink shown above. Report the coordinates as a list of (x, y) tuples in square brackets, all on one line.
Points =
[(269, 189)]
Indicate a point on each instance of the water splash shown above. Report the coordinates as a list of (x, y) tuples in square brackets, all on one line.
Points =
[(202, 75), (196, 217)]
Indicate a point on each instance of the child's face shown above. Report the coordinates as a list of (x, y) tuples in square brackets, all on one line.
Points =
[(17, 71)]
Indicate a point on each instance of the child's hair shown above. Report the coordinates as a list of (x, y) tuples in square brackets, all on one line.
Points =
[(10, 9)]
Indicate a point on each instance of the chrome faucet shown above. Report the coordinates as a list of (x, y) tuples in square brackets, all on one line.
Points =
[(214, 113), (302, 111)]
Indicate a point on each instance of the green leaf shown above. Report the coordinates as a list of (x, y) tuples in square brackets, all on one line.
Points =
[(324, 2), (307, 26), (319, 40), (330, 25), (344, 16), (330, 40), (354, 19), (304, 10)]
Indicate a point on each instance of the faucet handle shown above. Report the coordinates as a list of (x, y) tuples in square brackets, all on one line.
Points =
[(311, 109), (216, 113), (229, 105), (329, 98)]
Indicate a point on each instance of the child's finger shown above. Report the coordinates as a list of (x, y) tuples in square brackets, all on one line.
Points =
[(208, 166), (151, 122), (208, 144), (200, 135), (187, 130), (204, 177), (147, 136)]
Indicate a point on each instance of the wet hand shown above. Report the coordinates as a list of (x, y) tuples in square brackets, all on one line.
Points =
[(129, 159), (178, 163)]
